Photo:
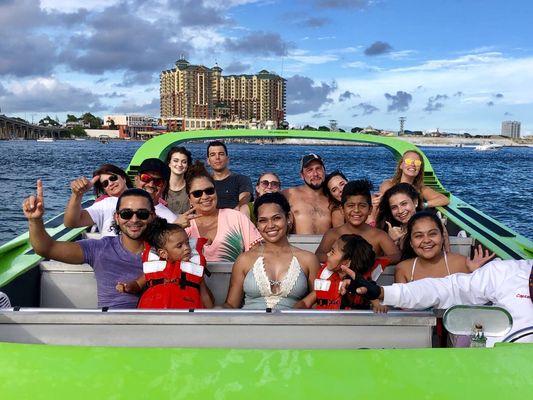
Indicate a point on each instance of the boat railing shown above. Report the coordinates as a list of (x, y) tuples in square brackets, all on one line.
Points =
[(295, 329)]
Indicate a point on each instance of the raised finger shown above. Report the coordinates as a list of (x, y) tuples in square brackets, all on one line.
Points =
[(39, 188)]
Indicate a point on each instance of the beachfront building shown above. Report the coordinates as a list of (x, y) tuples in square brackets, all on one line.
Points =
[(192, 93), (511, 129), (129, 126)]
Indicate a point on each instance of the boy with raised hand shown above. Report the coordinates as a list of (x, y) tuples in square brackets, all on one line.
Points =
[(356, 204)]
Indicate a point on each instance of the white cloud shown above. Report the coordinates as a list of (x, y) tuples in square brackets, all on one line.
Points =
[(71, 6), (304, 57)]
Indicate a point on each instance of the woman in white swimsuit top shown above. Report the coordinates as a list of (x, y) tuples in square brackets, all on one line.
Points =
[(424, 248), (273, 274)]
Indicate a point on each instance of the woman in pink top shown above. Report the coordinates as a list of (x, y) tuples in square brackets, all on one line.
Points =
[(229, 232)]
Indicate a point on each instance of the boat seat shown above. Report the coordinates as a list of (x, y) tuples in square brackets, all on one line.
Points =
[(74, 286)]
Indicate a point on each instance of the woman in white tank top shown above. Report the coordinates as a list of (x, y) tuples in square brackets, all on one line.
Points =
[(424, 255)]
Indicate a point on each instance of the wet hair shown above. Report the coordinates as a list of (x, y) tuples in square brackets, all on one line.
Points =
[(361, 187), (384, 210), (216, 143), (272, 198), (129, 193), (359, 252), (326, 190), (407, 250), (419, 179), (196, 170), (109, 169), (158, 231), (180, 150)]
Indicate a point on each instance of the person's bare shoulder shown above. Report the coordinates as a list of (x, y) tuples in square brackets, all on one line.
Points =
[(305, 257), (246, 259), (385, 185), (404, 265)]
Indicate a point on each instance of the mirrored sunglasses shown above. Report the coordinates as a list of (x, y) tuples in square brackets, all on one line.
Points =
[(412, 161), (147, 178)]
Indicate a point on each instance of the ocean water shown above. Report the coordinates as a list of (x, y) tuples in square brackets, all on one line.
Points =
[(498, 183)]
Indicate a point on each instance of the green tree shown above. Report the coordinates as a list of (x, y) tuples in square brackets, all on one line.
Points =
[(47, 121), (308, 128), (356, 129), (71, 118), (324, 128), (78, 131), (342, 130), (93, 121)]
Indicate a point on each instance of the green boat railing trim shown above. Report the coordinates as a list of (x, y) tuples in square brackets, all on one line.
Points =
[(495, 236)]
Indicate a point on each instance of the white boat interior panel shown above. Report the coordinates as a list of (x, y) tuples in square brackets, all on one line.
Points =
[(219, 328)]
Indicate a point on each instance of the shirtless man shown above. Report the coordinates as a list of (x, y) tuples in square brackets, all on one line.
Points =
[(356, 207), (309, 204)]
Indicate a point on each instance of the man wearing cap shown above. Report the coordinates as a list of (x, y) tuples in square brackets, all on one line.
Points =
[(309, 204), (153, 177)]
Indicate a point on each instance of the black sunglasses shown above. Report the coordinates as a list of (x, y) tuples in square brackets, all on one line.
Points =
[(127, 213), (198, 193), (112, 178)]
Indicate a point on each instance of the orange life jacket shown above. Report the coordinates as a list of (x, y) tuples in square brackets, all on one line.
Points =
[(173, 284), (327, 285)]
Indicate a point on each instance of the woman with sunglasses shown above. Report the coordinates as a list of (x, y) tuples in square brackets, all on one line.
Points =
[(410, 170), (424, 255), (268, 182), (112, 181), (274, 274), (178, 160), (229, 231), (332, 187)]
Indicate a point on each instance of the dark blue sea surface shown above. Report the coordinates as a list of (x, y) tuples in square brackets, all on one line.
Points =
[(498, 183)]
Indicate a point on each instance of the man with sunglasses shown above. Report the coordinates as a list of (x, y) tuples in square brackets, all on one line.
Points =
[(152, 177), (309, 204), (233, 190), (114, 259)]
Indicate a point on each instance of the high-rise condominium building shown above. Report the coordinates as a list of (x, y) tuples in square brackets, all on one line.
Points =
[(193, 93), (511, 129)]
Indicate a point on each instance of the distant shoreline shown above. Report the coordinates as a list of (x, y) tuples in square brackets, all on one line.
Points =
[(419, 141)]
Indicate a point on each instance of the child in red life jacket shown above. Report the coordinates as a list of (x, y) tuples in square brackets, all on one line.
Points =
[(350, 251), (173, 267)]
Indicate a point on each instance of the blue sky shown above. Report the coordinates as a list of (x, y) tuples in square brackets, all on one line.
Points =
[(453, 65)]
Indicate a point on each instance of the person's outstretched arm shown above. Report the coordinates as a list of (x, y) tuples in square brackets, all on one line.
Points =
[(75, 216), (42, 243)]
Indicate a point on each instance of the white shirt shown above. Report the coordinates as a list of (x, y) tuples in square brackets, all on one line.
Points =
[(102, 212), (504, 283)]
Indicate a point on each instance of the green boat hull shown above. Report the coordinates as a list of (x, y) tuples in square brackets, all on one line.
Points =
[(42, 372)]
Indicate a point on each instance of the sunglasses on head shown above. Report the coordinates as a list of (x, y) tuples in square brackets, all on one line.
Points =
[(147, 178), (105, 183), (127, 213), (198, 193), (273, 184), (412, 161)]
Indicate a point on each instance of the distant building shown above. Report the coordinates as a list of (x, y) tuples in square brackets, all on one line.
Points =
[(130, 125), (511, 129), (192, 93)]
